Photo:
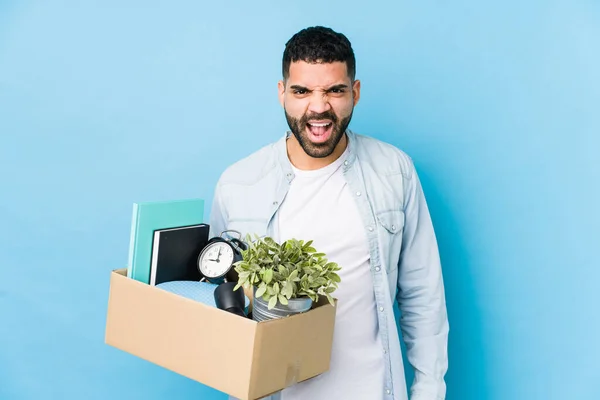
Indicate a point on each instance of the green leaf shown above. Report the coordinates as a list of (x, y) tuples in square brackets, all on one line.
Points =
[(272, 302), (287, 290), (276, 287), (330, 299), (282, 299), (268, 276), (261, 290), (244, 274), (320, 282)]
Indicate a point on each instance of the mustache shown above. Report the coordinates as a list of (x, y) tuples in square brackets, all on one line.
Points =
[(325, 115)]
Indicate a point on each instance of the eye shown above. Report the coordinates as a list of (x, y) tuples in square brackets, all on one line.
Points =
[(337, 91), (300, 91)]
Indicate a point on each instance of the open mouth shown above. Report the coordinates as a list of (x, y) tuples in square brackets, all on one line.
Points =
[(319, 131)]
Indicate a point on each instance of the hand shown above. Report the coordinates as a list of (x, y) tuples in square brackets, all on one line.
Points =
[(218, 257)]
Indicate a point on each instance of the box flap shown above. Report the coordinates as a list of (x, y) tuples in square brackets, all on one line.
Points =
[(178, 334)]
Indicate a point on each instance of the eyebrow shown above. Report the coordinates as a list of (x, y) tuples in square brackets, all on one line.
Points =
[(334, 87)]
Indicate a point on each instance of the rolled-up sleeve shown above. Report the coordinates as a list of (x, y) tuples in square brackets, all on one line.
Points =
[(421, 297)]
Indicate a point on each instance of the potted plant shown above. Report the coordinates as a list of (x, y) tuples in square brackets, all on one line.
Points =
[(285, 278)]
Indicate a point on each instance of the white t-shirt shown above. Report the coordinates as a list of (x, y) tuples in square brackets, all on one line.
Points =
[(319, 206)]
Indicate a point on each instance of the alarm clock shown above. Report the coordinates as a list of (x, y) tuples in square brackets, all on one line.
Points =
[(215, 261)]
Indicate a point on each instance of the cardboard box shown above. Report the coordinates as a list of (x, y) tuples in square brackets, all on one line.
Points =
[(238, 356)]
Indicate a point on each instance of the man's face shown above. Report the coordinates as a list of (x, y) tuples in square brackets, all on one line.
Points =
[(318, 100)]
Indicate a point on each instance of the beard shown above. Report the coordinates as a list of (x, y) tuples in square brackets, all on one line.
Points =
[(299, 126)]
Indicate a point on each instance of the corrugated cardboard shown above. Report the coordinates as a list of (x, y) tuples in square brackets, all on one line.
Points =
[(238, 356)]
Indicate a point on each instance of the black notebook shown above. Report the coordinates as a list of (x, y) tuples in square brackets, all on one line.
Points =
[(175, 253)]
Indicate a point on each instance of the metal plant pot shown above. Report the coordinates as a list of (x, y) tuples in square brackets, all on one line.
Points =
[(261, 312)]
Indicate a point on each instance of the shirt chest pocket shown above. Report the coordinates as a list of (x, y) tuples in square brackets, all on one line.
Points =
[(390, 228)]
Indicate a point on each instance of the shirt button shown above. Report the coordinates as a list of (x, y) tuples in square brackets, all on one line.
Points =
[(345, 162), (384, 351), (393, 227), (275, 203), (370, 229), (358, 193), (380, 308), (377, 269), (388, 391)]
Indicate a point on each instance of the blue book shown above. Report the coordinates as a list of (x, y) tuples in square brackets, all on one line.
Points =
[(151, 216)]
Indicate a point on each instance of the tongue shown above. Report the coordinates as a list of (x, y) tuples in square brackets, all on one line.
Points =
[(318, 130)]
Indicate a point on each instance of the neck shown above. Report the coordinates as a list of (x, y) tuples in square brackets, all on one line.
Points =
[(303, 161)]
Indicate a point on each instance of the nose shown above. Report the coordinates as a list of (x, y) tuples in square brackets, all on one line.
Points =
[(319, 103)]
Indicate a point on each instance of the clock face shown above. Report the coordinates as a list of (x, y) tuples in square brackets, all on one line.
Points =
[(216, 260)]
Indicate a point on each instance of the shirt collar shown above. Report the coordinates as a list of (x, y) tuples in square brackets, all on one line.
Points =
[(286, 165)]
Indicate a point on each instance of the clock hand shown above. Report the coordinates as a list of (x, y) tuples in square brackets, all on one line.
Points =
[(218, 255)]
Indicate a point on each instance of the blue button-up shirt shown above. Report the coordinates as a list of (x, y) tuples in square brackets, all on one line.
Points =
[(405, 263)]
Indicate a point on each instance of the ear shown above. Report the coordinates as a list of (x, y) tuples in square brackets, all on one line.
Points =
[(281, 89), (356, 91)]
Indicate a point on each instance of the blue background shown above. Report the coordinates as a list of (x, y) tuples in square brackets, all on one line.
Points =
[(104, 104)]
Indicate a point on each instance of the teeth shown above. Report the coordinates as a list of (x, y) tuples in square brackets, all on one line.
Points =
[(324, 124)]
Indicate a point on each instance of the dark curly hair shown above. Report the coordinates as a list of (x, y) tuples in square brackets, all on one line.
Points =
[(319, 44)]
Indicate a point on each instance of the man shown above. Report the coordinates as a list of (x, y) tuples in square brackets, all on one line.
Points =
[(361, 202)]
